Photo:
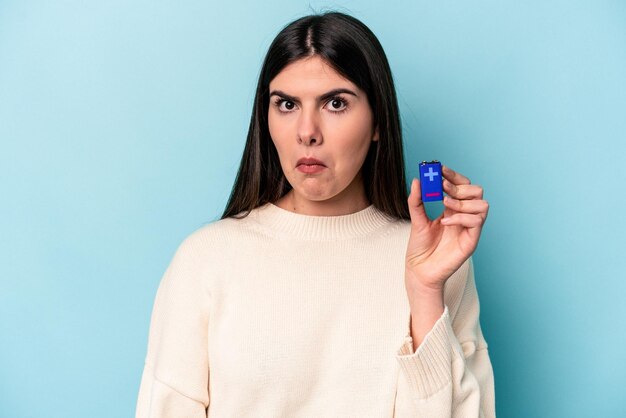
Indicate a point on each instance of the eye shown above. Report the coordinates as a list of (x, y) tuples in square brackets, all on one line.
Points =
[(280, 101), (337, 99), (334, 101)]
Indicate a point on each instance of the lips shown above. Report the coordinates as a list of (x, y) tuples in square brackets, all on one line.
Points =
[(310, 161)]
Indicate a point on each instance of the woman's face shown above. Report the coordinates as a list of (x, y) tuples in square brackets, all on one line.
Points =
[(308, 120)]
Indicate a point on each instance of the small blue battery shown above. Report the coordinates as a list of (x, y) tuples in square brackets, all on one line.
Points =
[(431, 181)]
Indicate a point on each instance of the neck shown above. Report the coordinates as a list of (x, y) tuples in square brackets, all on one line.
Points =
[(350, 200), (330, 207)]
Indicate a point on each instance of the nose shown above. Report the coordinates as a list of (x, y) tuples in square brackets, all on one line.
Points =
[(309, 131)]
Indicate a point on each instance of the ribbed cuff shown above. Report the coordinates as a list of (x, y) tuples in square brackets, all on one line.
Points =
[(429, 368)]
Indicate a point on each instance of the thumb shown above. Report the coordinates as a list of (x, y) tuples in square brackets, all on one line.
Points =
[(417, 211)]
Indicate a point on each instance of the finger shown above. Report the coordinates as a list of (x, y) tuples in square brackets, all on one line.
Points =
[(416, 206), (466, 206), (472, 227), (453, 176), (463, 191), (468, 220)]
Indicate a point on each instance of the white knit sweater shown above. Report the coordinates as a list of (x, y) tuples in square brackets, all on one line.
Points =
[(281, 314)]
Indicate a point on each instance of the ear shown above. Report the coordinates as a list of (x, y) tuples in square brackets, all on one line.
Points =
[(376, 137)]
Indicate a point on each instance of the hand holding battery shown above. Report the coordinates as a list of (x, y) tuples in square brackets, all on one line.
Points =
[(437, 248)]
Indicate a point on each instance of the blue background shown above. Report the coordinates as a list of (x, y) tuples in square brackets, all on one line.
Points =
[(122, 125)]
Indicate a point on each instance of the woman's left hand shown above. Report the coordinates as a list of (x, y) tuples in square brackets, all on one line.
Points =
[(437, 248)]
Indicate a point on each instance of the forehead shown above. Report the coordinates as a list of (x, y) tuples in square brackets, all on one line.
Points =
[(311, 71)]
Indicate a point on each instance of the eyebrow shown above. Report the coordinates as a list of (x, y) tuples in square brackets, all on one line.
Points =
[(322, 97)]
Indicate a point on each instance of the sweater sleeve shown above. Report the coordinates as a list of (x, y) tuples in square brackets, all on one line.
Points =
[(450, 374), (175, 377)]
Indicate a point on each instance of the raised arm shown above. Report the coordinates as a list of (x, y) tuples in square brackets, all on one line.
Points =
[(450, 374)]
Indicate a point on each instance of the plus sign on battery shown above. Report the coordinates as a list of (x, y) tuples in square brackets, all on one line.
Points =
[(431, 174)]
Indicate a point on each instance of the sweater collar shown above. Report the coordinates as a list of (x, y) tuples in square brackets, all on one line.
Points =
[(290, 224)]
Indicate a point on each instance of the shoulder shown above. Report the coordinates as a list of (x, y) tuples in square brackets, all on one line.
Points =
[(211, 238)]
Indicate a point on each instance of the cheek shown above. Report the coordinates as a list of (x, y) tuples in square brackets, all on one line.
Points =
[(280, 137), (275, 130), (352, 156), (271, 125), (355, 139)]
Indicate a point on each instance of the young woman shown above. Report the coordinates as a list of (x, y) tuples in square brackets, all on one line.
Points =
[(323, 291)]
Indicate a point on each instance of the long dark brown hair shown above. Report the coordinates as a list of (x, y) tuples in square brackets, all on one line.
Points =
[(351, 49)]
